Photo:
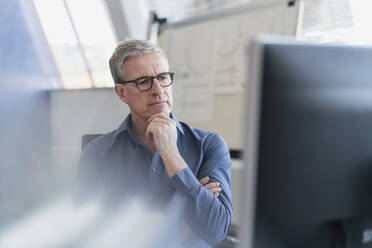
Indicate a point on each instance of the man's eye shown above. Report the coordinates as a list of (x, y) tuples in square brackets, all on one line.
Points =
[(163, 77), (144, 81)]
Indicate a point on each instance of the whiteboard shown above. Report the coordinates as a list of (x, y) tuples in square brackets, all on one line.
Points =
[(209, 57)]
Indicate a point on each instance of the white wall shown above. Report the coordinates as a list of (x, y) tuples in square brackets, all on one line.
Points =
[(78, 112)]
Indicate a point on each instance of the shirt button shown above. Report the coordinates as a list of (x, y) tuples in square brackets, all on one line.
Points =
[(154, 170)]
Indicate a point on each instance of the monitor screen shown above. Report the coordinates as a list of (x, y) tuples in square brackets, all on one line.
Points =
[(308, 155)]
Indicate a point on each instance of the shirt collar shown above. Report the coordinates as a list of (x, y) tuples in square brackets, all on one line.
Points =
[(126, 125), (179, 127)]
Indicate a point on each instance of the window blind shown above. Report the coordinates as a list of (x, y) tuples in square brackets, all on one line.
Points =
[(81, 40), (337, 21)]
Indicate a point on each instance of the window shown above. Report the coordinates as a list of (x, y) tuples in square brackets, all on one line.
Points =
[(180, 9), (337, 21), (81, 40)]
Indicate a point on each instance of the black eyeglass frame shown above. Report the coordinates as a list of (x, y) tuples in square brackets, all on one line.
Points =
[(171, 74)]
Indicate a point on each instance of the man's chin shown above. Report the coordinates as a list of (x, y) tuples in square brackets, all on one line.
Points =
[(166, 112), (160, 109)]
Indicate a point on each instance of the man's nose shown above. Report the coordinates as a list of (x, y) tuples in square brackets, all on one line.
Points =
[(156, 87)]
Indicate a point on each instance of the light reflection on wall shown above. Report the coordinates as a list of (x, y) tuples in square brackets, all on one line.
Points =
[(64, 223)]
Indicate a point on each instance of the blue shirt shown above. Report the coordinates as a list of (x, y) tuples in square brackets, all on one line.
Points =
[(121, 165)]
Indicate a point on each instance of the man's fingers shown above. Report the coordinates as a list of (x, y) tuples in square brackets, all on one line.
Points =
[(161, 123), (204, 180), (153, 128), (158, 115), (212, 185), (215, 190), (160, 120), (149, 131)]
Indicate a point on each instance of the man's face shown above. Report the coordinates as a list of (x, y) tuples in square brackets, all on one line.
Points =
[(144, 104)]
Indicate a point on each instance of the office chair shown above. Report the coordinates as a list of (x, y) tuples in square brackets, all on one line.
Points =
[(86, 138)]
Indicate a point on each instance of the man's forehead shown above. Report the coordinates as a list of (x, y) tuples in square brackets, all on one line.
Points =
[(144, 64), (147, 59)]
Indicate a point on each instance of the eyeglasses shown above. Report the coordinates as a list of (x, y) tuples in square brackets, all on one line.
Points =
[(165, 79)]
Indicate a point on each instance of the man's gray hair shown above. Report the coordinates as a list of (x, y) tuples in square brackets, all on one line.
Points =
[(128, 49)]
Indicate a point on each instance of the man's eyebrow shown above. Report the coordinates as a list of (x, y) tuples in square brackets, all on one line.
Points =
[(137, 78), (142, 77)]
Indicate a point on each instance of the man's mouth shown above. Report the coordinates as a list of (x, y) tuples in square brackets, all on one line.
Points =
[(157, 103)]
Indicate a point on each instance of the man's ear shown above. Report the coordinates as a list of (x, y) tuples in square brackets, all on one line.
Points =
[(121, 91)]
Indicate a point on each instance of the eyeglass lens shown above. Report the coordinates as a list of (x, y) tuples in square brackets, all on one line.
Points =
[(146, 83)]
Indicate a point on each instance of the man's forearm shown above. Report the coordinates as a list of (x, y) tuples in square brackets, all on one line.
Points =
[(207, 215), (173, 163)]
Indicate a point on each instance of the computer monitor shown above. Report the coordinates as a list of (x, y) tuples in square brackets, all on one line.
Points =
[(308, 154)]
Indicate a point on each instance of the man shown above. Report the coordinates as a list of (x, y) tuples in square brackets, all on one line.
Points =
[(152, 153)]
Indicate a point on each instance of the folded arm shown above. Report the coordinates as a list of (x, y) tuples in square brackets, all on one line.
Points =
[(207, 215)]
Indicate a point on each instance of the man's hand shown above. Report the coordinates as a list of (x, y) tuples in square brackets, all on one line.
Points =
[(214, 187), (164, 132)]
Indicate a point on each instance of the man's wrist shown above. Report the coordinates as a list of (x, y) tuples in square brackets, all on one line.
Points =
[(170, 154), (173, 162)]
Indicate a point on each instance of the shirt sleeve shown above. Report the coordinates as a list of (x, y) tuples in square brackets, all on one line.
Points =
[(208, 216)]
